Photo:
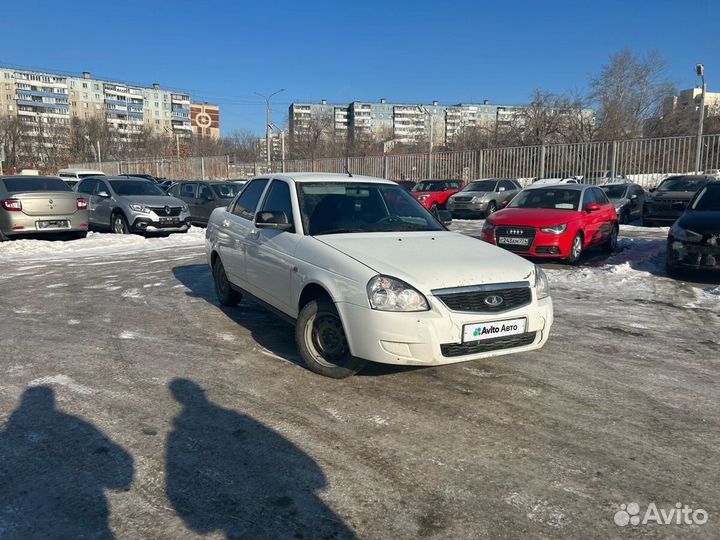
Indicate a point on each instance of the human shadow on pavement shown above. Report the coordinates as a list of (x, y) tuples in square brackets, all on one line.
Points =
[(267, 329), (227, 472), (54, 470)]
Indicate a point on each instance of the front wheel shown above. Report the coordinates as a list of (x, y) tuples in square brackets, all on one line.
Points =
[(119, 224), (575, 250), (322, 343), (491, 208), (226, 295)]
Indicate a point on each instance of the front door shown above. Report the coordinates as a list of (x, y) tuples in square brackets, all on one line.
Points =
[(102, 205)]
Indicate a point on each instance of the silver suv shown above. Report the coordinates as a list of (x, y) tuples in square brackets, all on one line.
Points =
[(126, 205), (480, 198)]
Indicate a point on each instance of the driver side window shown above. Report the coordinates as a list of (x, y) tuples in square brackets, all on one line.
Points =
[(100, 187), (278, 200)]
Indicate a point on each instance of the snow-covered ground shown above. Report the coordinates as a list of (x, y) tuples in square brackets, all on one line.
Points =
[(635, 272)]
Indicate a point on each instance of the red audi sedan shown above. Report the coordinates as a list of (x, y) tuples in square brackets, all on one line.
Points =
[(554, 222)]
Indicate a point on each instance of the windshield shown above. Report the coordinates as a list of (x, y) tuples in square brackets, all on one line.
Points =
[(547, 198), (339, 207), (484, 185), (135, 187), (682, 183), (434, 185), (226, 190), (708, 200), (614, 192), (25, 183)]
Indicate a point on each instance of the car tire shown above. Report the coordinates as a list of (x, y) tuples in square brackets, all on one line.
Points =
[(3, 238), (226, 295), (118, 223), (434, 209), (491, 208), (611, 245), (624, 217), (321, 341), (575, 249)]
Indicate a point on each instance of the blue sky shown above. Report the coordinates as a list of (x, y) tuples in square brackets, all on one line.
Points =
[(411, 51)]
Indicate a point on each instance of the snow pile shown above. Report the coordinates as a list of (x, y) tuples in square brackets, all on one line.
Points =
[(97, 243)]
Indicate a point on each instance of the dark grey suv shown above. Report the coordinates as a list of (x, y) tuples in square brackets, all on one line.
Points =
[(669, 200), (204, 196)]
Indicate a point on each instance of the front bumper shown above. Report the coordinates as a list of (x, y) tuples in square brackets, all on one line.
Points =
[(542, 245), (434, 337), (693, 255), (153, 223), (467, 208)]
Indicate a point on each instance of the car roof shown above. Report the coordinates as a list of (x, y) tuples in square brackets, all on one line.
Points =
[(576, 187), (305, 177), (44, 176), (128, 178)]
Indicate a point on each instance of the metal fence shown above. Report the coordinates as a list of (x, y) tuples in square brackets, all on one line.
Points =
[(644, 160)]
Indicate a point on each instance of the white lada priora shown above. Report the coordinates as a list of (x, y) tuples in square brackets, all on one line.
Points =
[(365, 273)]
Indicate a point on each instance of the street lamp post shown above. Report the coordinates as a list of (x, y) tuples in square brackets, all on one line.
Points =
[(430, 138), (282, 144), (268, 122), (700, 70)]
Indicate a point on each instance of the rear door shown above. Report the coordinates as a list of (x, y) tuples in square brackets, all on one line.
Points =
[(234, 228)]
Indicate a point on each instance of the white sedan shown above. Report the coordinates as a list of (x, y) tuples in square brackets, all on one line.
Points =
[(367, 274)]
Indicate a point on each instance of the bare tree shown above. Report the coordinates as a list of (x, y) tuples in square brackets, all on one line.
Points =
[(627, 92), (312, 137)]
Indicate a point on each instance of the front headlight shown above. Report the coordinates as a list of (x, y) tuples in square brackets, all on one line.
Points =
[(140, 208), (423, 197), (477, 199), (184, 208), (389, 294), (684, 235), (541, 283), (555, 229)]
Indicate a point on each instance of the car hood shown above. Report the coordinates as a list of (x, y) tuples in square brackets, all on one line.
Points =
[(674, 195), (153, 200), (533, 217), (471, 194), (703, 222), (432, 260)]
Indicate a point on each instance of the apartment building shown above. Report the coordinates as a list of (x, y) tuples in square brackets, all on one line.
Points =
[(397, 122), (689, 100), (41, 98)]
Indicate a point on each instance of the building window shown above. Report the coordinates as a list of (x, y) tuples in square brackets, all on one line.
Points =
[(87, 115), (84, 85), (10, 108), (85, 105), (97, 87)]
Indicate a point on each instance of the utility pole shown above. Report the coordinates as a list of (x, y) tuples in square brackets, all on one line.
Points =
[(177, 144), (424, 109), (99, 157), (268, 122), (700, 70)]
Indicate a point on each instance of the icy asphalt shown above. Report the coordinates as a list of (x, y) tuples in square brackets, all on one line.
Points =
[(132, 405)]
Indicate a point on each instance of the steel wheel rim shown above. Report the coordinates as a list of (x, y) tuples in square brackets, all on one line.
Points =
[(325, 339)]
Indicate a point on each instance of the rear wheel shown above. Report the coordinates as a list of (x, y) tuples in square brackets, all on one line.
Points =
[(322, 343), (612, 243), (575, 249), (226, 295), (434, 209), (119, 224)]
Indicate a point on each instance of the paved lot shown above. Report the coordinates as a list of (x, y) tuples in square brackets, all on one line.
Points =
[(133, 404)]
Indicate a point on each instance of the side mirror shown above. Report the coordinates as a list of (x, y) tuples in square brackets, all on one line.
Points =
[(103, 194), (444, 217), (501, 189), (592, 207), (633, 197), (273, 219)]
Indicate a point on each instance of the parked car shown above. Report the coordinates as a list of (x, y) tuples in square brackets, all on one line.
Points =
[(40, 204), (367, 274), (407, 185), (554, 180), (125, 205), (166, 184), (554, 222), (557, 175), (204, 196), (480, 198), (433, 194), (605, 176), (694, 239), (628, 199), (72, 176), (667, 203)]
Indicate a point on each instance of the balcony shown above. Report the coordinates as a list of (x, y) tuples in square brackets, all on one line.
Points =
[(43, 105)]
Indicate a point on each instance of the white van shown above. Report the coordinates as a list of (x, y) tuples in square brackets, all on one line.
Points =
[(73, 176)]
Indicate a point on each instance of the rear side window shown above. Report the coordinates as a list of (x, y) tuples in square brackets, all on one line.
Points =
[(87, 186), (248, 201), (278, 199), (188, 190), (25, 183)]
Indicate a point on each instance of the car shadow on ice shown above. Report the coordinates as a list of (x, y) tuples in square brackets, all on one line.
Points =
[(272, 334)]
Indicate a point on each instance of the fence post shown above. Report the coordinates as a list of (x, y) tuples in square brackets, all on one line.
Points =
[(479, 155), (613, 162), (202, 168), (386, 168), (119, 168), (227, 167), (541, 165)]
